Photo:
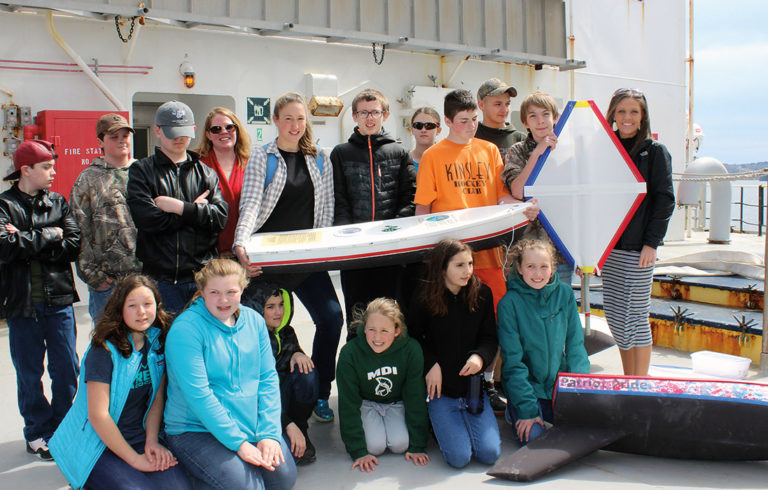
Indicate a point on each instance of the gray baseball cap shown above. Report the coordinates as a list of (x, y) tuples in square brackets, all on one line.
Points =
[(175, 119), (494, 86)]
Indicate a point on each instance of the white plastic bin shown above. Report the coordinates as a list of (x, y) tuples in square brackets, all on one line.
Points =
[(719, 364)]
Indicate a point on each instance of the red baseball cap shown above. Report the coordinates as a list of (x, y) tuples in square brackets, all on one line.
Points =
[(31, 152)]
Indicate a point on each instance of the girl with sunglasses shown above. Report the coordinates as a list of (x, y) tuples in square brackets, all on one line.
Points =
[(225, 148), (425, 126), (288, 185), (628, 271)]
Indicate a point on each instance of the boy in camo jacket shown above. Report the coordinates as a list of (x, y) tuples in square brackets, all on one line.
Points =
[(98, 200)]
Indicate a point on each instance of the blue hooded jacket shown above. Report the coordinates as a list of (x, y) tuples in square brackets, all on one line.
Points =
[(222, 379), (75, 445), (540, 335)]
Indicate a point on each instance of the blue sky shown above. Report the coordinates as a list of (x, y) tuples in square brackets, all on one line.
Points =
[(731, 78)]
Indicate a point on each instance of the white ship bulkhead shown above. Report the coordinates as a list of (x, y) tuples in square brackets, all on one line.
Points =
[(638, 44)]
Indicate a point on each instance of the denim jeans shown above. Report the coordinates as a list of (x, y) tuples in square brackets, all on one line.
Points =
[(53, 330), (211, 465), (298, 387), (384, 427), (462, 435), (537, 430), (565, 271), (112, 472), (175, 296), (97, 301), (318, 296)]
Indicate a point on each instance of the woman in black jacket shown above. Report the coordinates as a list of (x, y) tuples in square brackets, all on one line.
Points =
[(628, 271)]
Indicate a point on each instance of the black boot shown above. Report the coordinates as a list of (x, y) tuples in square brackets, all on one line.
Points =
[(299, 413), (496, 397)]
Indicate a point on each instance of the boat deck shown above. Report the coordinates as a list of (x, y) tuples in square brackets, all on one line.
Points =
[(601, 470)]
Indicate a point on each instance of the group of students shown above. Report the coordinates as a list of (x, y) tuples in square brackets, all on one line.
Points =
[(240, 389)]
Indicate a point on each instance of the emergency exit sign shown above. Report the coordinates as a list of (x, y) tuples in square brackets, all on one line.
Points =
[(258, 110)]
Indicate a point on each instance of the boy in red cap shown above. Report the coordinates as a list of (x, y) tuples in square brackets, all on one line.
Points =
[(39, 239)]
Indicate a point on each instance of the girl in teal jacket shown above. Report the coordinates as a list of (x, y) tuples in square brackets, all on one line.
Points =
[(540, 336), (109, 438), (223, 411)]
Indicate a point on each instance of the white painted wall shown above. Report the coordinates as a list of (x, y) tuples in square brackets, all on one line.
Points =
[(625, 43)]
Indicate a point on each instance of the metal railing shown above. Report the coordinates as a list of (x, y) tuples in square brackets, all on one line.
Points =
[(760, 208), (738, 223)]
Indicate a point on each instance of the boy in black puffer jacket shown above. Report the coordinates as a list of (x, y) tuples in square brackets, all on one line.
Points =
[(374, 179), (298, 379)]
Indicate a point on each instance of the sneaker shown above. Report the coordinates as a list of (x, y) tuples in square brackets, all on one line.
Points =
[(310, 454), (322, 412), (498, 402), (40, 448)]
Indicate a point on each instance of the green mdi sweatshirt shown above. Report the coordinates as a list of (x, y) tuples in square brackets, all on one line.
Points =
[(394, 375)]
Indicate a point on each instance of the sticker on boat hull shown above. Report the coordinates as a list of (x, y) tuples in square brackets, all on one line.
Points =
[(351, 230), (291, 238)]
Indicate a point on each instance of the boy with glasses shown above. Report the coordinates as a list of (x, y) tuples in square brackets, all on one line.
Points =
[(373, 179)]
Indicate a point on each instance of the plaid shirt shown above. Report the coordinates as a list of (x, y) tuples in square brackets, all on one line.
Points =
[(257, 203)]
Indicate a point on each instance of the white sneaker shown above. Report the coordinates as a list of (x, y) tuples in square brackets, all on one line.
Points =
[(40, 448)]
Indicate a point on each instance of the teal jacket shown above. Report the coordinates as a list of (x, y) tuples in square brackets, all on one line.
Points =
[(389, 377), (75, 445), (222, 379), (540, 335)]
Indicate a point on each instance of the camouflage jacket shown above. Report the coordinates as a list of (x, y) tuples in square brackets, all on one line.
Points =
[(108, 243)]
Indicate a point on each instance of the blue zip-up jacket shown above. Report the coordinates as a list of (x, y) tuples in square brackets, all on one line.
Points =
[(75, 445), (540, 335), (222, 379)]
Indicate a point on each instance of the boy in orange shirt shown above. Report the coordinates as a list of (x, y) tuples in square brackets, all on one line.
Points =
[(462, 172)]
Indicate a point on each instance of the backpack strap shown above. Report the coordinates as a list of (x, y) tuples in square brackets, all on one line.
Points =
[(272, 165)]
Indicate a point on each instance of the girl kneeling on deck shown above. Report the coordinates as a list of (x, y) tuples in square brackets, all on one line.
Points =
[(453, 319), (109, 438), (223, 411), (540, 335), (381, 389)]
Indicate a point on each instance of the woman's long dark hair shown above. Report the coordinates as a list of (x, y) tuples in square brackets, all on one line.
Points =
[(644, 131), (433, 292), (111, 325)]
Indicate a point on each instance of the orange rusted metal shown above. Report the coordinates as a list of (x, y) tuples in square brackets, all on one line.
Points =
[(692, 338), (752, 300)]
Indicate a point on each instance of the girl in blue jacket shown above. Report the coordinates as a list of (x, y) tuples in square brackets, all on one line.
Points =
[(540, 336), (223, 411), (109, 438)]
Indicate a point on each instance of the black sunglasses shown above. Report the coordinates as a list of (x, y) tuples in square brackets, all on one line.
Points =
[(424, 125), (218, 129)]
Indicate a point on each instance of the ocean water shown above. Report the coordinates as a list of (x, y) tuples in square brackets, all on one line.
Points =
[(750, 209)]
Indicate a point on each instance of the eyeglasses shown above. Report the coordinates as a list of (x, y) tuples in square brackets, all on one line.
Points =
[(218, 129), (630, 91), (424, 125), (365, 114)]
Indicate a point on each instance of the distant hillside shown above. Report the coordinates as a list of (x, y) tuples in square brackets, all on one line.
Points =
[(746, 167)]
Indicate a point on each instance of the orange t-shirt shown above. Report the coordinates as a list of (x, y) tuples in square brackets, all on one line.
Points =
[(453, 176)]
